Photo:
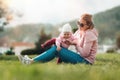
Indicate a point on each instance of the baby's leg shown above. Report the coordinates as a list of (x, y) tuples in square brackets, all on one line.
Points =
[(48, 43), (59, 61)]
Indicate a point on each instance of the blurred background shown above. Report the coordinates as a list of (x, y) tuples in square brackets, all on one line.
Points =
[(26, 24)]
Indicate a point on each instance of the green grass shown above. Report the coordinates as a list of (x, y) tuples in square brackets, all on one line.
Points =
[(106, 67)]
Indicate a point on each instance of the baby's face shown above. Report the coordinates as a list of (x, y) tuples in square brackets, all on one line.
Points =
[(66, 35)]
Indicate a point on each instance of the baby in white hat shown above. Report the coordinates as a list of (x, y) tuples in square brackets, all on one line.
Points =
[(65, 38)]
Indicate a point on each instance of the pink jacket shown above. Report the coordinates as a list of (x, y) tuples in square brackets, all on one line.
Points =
[(63, 42), (87, 44)]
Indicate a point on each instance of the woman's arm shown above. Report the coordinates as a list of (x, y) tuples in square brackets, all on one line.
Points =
[(85, 50)]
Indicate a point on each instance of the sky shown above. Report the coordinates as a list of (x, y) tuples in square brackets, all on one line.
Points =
[(56, 11)]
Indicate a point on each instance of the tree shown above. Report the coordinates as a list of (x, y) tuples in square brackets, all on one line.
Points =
[(38, 49), (43, 37), (118, 41), (5, 15)]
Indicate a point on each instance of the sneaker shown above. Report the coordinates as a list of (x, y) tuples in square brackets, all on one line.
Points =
[(26, 56), (27, 60), (24, 60)]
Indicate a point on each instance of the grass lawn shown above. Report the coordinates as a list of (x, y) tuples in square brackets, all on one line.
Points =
[(106, 67)]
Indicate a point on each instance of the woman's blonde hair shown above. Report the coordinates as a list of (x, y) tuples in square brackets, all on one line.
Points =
[(88, 19)]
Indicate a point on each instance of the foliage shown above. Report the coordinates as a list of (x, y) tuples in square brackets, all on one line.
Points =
[(2, 9), (26, 32), (5, 15), (118, 41), (38, 49), (43, 37), (106, 67), (10, 52), (107, 24), (29, 52), (110, 50)]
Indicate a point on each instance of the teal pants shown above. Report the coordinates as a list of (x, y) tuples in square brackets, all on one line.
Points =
[(64, 54)]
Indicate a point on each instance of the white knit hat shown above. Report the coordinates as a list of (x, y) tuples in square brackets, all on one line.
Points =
[(66, 28)]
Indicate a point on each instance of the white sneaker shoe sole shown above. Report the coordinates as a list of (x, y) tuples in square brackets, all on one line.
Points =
[(21, 59)]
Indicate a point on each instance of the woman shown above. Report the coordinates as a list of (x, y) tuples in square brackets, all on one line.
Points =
[(86, 46)]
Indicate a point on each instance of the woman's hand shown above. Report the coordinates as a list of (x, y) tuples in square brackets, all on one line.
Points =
[(69, 42)]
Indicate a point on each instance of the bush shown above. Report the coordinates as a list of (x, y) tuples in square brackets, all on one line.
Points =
[(10, 52), (110, 50), (34, 51)]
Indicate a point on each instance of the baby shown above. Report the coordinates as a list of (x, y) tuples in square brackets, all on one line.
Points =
[(65, 39)]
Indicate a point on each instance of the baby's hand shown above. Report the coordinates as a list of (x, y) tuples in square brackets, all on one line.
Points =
[(58, 48), (67, 42)]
